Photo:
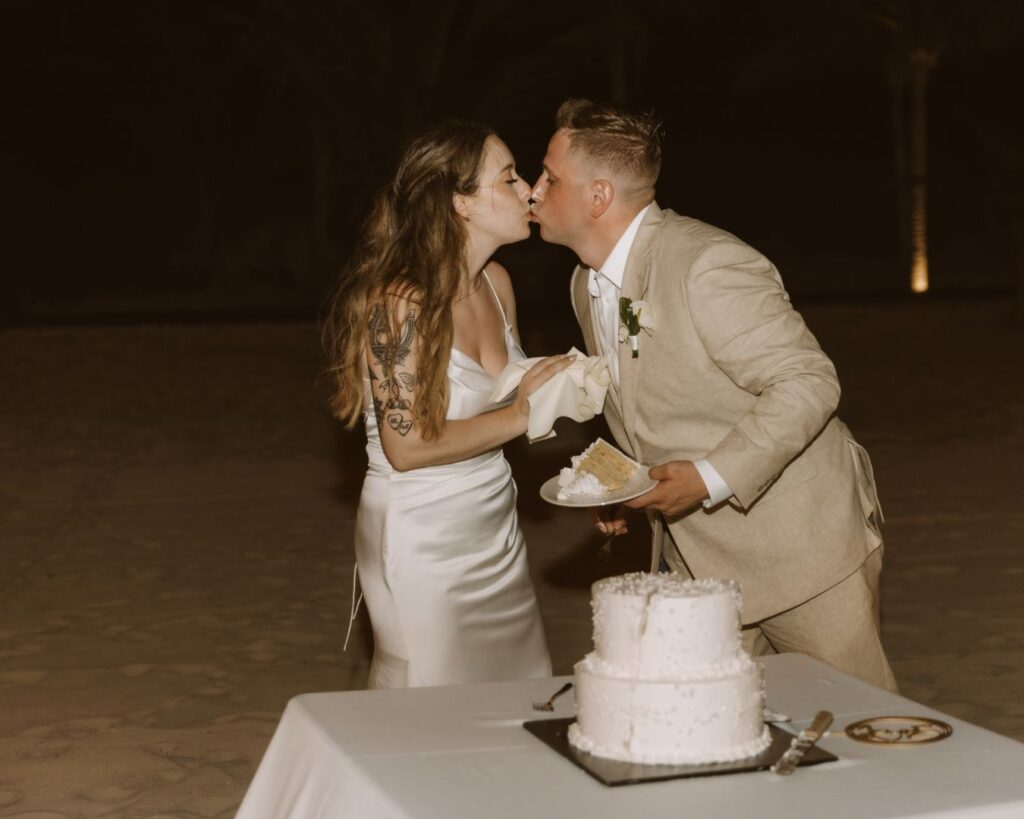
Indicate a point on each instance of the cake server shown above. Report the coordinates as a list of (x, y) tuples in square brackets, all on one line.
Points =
[(550, 704), (802, 742)]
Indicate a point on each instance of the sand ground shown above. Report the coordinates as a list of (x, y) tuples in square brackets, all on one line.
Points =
[(176, 509)]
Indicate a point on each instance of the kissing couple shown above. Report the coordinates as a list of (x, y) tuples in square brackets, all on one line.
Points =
[(727, 395)]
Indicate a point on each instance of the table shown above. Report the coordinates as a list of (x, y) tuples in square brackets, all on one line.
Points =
[(461, 751)]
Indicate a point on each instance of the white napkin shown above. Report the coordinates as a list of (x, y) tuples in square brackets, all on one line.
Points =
[(576, 392)]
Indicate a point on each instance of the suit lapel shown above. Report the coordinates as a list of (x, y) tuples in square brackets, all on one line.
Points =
[(635, 282), (583, 302)]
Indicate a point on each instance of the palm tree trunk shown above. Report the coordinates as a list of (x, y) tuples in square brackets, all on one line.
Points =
[(922, 61), (898, 84)]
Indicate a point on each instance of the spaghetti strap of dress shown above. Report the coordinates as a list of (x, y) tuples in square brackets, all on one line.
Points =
[(504, 319)]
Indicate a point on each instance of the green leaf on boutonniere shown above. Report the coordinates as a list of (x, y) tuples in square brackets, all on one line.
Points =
[(628, 317)]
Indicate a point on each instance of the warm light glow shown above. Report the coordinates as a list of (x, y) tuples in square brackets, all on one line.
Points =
[(919, 275), (919, 238)]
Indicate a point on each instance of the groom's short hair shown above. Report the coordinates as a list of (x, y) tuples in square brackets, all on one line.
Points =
[(629, 144)]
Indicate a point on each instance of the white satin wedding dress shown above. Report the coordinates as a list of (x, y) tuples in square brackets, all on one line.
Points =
[(442, 562)]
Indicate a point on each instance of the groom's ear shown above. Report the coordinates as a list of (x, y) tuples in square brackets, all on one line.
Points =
[(602, 193)]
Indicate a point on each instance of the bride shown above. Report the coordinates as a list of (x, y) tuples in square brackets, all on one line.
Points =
[(421, 325)]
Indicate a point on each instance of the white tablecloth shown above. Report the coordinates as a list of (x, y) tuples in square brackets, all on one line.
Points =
[(461, 751)]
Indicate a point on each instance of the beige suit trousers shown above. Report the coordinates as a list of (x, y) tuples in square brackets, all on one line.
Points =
[(840, 626), (833, 627)]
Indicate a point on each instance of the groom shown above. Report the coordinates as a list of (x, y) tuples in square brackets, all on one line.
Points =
[(727, 395)]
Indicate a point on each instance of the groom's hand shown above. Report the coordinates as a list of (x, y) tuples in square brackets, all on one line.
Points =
[(680, 487)]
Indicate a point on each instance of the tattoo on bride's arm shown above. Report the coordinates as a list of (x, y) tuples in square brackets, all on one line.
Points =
[(397, 409), (378, 408)]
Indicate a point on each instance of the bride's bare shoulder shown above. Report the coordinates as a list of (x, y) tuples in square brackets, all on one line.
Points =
[(501, 281), (498, 275)]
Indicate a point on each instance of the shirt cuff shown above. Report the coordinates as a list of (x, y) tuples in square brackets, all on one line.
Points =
[(718, 489)]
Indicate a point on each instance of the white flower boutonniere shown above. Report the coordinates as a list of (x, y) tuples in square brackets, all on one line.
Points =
[(635, 316)]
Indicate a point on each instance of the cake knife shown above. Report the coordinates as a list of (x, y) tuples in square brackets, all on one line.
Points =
[(550, 704), (802, 742)]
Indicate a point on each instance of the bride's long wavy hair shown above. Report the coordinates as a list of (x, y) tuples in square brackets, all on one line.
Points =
[(412, 249)]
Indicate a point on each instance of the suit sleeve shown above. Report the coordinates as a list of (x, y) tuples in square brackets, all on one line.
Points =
[(743, 318)]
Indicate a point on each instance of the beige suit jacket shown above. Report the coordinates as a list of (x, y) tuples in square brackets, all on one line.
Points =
[(732, 374)]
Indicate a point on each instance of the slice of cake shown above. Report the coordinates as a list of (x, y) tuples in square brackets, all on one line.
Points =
[(599, 470)]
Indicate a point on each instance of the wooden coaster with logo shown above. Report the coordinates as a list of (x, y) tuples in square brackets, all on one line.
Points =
[(898, 730)]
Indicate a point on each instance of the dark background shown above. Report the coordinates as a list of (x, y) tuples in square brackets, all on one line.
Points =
[(184, 160)]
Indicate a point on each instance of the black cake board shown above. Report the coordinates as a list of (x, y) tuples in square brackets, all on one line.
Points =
[(555, 734)]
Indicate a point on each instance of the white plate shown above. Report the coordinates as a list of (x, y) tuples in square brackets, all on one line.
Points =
[(637, 485)]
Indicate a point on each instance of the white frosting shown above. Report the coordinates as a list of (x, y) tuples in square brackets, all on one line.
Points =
[(656, 627), (574, 484), (667, 681)]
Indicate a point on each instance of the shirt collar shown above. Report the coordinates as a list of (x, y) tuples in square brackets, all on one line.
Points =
[(614, 267)]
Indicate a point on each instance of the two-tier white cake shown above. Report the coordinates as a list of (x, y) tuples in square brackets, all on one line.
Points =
[(668, 681)]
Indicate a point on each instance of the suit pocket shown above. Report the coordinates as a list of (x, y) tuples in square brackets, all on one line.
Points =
[(866, 481)]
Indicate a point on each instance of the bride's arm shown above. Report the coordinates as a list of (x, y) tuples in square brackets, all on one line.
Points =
[(394, 394)]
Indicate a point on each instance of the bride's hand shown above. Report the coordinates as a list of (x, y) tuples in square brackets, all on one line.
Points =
[(610, 520), (537, 375)]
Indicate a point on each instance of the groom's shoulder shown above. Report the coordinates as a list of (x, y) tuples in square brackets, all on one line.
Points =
[(677, 227), (685, 241)]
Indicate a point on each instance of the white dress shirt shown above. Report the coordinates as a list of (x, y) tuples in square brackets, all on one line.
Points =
[(605, 286)]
